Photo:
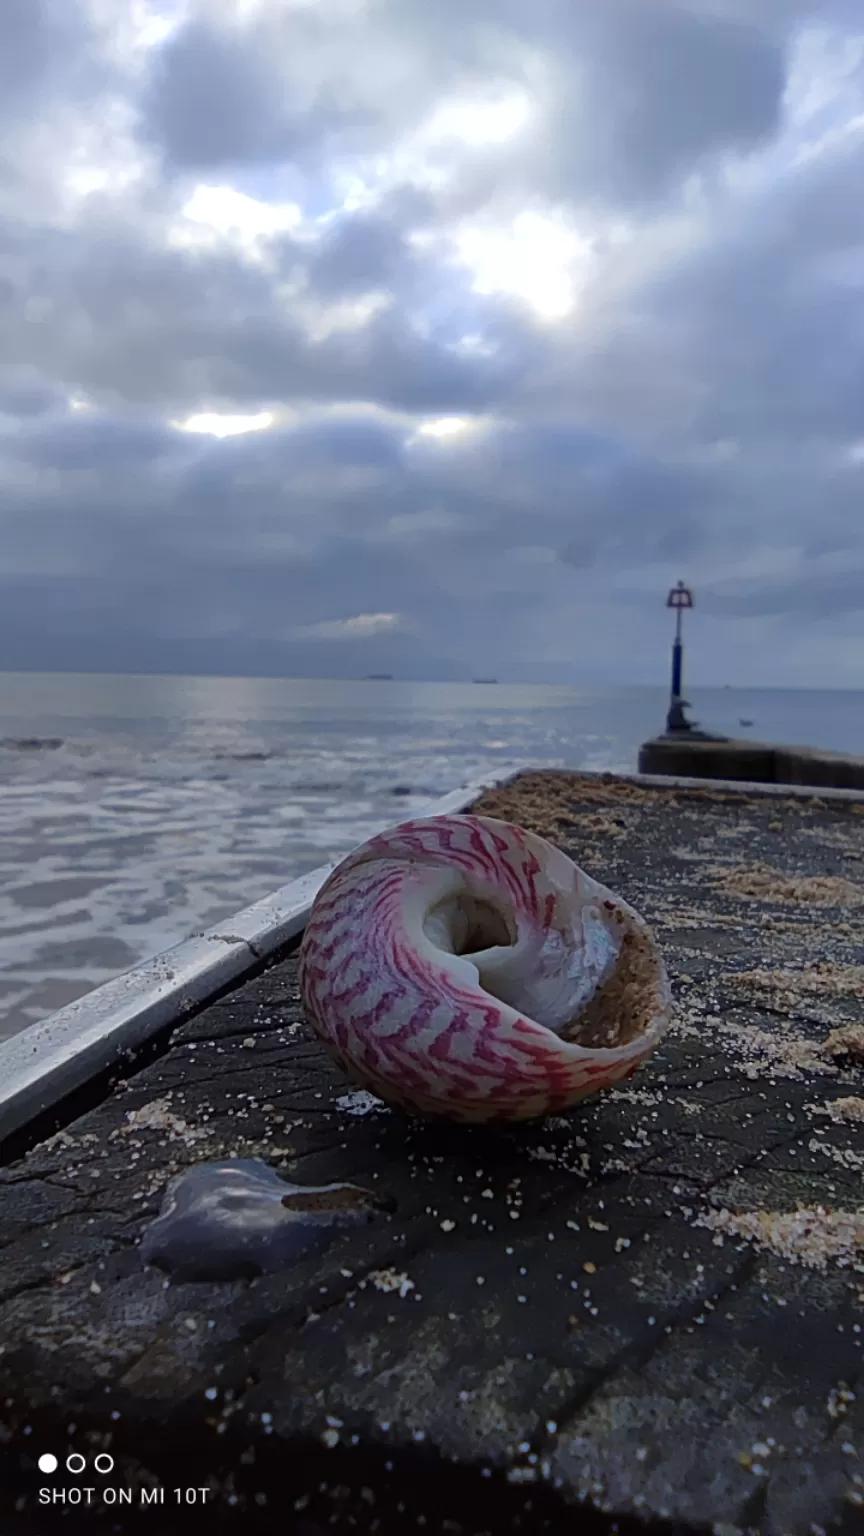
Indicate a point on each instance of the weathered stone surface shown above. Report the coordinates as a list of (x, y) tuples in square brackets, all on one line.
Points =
[(598, 1322)]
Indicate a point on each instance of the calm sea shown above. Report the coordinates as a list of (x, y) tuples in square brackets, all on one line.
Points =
[(135, 810)]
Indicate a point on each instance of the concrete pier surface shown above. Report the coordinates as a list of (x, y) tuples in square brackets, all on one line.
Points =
[(643, 1316), (698, 756)]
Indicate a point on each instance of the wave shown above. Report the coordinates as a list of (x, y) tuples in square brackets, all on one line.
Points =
[(246, 757), (31, 743)]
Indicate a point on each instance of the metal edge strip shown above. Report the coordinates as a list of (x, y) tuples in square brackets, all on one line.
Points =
[(42, 1064)]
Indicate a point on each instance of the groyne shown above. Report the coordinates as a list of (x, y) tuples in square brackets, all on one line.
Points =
[(681, 754)]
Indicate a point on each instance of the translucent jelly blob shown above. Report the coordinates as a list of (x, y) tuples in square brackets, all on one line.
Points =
[(237, 1219)]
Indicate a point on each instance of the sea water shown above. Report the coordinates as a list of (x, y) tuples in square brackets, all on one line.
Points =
[(135, 810)]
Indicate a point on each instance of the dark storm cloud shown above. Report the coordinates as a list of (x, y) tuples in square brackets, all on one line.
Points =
[(365, 252), (659, 511), (84, 442), (366, 444), (808, 594), (43, 50), (112, 311), (23, 397), (648, 92), (270, 88), (639, 93), (767, 313), (219, 98), (340, 505)]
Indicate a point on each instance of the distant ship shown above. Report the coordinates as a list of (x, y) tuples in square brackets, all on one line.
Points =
[(484, 679), (379, 677)]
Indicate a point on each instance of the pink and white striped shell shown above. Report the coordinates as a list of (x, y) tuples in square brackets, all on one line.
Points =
[(461, 966)]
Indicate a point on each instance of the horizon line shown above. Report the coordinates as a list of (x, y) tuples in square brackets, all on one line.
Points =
[(461, 682)]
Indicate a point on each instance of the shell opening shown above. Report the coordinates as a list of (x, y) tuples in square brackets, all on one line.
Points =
[(598, 988), (463, 924)]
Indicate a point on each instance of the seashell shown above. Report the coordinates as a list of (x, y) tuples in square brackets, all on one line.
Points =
[(462, 966)]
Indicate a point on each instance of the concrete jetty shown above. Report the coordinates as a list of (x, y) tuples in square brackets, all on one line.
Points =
[(697, 755), (642, 1317)]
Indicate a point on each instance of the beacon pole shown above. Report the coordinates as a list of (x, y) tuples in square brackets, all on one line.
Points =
[(679, 598)]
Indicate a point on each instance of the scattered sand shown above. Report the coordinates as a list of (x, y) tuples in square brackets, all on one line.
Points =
[(158, 1116), (694, 917), (848, 1040), (601, 823), (390, 1280), (788, 986), (543, 801), (810, 1236), (840, 1109), (762, 1054), (851, 843), (760, 882), (844, 1157)]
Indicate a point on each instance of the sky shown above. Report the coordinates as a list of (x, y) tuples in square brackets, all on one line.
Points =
[(341, 336)]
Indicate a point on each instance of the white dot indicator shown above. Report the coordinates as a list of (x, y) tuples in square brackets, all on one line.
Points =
[(47, 1463), (76, 1462)]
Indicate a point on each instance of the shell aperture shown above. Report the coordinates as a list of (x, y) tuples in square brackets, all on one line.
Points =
[(462, 966)]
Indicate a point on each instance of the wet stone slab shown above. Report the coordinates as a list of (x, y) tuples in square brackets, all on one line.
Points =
[(646, 1315)]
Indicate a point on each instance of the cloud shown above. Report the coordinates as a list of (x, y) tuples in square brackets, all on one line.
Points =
[(661, 90), (91, 442), (48, 50), (358, 627), (432, 339), (627, 96)]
